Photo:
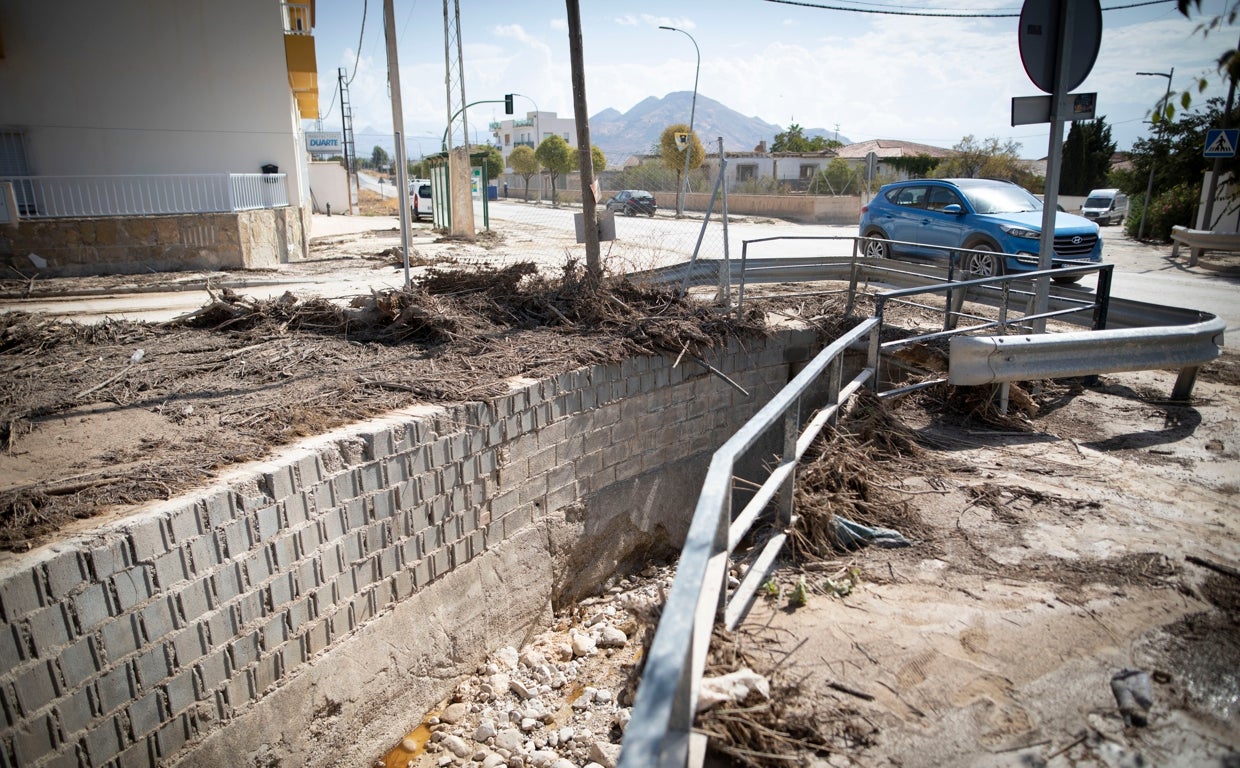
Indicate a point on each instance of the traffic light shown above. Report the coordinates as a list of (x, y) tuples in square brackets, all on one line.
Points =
[(508, 104)]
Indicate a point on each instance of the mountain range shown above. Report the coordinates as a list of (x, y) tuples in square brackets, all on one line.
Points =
[(635, 132), (620, 135)]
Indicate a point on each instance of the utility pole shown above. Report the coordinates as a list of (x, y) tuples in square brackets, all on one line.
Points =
[(398, 128), (589, 203)]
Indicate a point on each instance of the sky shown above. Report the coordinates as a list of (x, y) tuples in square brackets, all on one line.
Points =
[(866, 75)]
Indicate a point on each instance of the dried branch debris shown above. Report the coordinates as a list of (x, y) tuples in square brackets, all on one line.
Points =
[(239, 376)]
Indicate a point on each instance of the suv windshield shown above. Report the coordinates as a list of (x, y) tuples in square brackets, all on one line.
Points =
[(1097, 202), (1001, 199)]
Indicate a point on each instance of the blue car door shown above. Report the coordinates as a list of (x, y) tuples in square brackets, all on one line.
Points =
[(907, 217), (939, 227)]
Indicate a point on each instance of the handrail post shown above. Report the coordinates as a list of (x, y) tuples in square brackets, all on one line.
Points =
[(1102, 297), (792, 428)]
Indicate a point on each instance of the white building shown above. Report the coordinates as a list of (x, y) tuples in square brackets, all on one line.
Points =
[(530, 130), (178, 123)]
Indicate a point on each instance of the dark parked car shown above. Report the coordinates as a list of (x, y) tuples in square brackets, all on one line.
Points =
[(998, 220), (631, 202)]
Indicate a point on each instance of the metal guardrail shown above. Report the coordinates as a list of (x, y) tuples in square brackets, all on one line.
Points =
[(65, 197), (660, 731), (1141, 337)]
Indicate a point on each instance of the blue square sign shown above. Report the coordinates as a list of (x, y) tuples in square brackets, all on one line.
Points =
[(1221, 142)]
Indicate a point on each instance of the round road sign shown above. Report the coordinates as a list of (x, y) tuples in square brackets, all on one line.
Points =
[(1040, 42)]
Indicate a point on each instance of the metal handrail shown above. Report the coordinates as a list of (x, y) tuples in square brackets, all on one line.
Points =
[(64, 197), (660, 729)]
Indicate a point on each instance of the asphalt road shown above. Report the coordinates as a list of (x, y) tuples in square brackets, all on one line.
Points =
[(545, 233)]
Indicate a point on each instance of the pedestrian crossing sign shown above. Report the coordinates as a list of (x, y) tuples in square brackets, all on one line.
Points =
[(1221, 142)]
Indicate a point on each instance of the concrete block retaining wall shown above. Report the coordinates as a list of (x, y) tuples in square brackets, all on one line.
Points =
[(140, 244), (366, 569)]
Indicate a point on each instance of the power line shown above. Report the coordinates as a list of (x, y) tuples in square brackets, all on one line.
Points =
[(358, 54), (891, 10)]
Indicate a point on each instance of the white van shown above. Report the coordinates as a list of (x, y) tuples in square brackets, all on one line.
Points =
[(420, 199), (1105, 206)]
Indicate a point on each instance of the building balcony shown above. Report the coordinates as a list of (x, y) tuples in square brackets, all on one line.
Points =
[(299, 55)]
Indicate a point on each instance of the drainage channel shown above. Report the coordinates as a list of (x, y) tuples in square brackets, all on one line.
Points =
[(282, 614)]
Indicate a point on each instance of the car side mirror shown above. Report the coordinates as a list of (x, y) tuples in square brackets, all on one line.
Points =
[(954, 208)]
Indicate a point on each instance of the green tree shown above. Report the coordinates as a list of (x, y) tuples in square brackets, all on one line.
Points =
[(986, 160), (914, 166), (835, 178), (555, 157), (1228, 61), (524, 164), (1174, 154), (598, 160), (1086, 157), (379, 158), (673, 157), (494, 159), (419, 170), (795, 140)]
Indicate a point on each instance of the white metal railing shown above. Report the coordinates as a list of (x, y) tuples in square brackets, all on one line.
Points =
[(66, 197), (296, 18), (659, 733)]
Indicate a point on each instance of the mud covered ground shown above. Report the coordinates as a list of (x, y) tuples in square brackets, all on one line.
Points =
[(1093, 529)]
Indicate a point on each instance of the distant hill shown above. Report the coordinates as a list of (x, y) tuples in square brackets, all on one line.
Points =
[(620, 135)]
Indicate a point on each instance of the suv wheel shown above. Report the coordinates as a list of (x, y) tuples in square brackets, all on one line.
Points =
[(985, 263), (876, 246)]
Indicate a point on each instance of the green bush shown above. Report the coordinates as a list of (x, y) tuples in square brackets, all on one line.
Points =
[(1175, 206)]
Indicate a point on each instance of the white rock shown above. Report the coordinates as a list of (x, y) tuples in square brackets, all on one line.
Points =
[(586, 698), (611, 637), (542, 758), (732, 687), (532, 658), (565, 734), (507, 657), (583, 645), (493, 761), (509, 739), (529, 723), (563, 762), (603, 696), (605, 753), (484, 731), (454, 713), (622, 718), (457, 746), (520, 688)]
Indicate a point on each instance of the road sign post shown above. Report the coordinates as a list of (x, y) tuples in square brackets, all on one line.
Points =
[(1059, 42)]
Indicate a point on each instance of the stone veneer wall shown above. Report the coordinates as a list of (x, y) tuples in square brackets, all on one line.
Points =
[(140, 244), (366, 570)]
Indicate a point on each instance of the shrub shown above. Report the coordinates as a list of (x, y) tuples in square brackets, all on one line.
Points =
[(1175, 206)]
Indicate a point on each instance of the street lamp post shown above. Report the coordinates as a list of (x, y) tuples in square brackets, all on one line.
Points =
[(1149, 188), (680, 193)]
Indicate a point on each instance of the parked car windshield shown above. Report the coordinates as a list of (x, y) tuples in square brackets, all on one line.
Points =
[(1004, 199)]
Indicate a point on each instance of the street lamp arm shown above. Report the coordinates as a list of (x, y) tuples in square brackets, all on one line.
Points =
[(680, 204), (459, 111)]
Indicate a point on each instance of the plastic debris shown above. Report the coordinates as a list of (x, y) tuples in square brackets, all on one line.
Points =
[(855, 535), (1134, 693)]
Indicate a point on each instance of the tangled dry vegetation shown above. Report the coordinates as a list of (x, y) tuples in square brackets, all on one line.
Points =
[(237, 377)]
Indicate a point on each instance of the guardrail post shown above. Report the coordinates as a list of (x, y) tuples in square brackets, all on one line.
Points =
[(792, 428), (1102, 297), (740, 290), (1182, 392), (853, 275)]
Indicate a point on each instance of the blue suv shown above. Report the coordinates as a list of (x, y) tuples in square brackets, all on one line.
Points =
[(998, 221)]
